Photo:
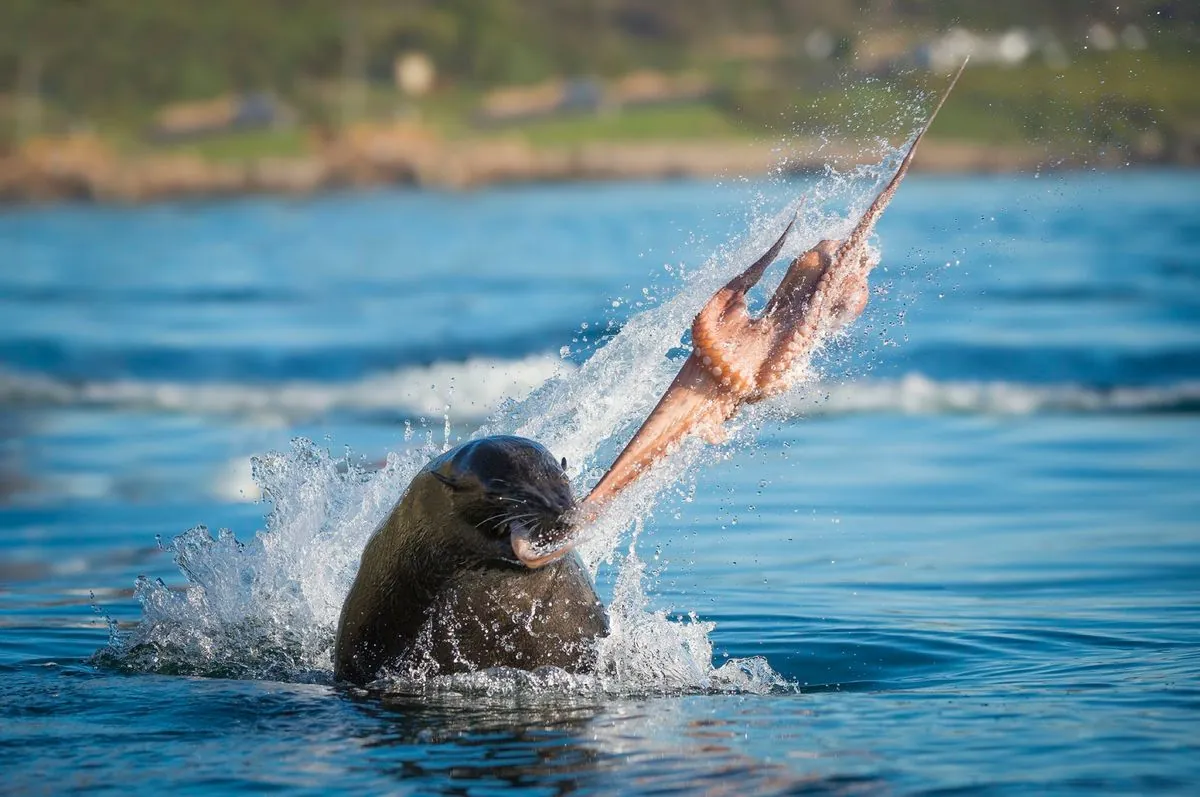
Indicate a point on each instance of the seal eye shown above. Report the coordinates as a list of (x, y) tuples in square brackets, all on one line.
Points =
[(564, 463), (452, 483)]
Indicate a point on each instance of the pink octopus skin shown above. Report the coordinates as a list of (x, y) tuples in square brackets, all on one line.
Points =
[(739, 359)]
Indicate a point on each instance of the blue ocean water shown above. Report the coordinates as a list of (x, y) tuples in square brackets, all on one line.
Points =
[(968, 553)]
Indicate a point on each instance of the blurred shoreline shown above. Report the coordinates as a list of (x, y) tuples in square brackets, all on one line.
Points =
[(140, 102), (82, 168)]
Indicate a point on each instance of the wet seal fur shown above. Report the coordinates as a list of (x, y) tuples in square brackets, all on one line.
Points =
[(440, 588)]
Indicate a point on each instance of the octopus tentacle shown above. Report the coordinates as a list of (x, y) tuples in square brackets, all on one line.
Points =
[(737, 359), (709, 349), (743, 282), (857, 238)]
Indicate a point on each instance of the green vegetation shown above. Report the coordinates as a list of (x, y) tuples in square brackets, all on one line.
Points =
[(1101, 98), (110, 65), (1104, 98), (247, 145), (672, 122)]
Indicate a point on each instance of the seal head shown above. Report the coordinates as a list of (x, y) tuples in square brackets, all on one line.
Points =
[(454, 579)]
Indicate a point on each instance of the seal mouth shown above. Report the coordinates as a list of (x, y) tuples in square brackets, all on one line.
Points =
[(533, 550)]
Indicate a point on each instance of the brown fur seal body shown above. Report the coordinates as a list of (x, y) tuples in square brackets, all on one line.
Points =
[(441, 587)]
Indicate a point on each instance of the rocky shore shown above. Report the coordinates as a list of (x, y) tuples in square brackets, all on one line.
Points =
[(82, 167)]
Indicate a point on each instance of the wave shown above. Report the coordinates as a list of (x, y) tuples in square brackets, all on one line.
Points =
[(467, 390), (917, 394), (1052, 359), (255, 360), (471, 390)]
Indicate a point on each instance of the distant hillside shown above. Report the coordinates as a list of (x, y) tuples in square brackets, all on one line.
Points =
[(224, 96), (114, 60)]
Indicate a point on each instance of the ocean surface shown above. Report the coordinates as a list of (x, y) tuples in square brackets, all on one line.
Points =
[(963, 557)]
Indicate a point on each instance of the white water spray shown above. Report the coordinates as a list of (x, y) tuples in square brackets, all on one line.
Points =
[(268, 607)]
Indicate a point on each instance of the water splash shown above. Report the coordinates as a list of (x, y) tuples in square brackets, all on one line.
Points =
[(268, 607)]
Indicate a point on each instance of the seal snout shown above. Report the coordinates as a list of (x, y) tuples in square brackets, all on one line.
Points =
[(537, 544), (542, 530)]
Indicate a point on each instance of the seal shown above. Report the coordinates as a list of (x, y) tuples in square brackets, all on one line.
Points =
[(451, 581)]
